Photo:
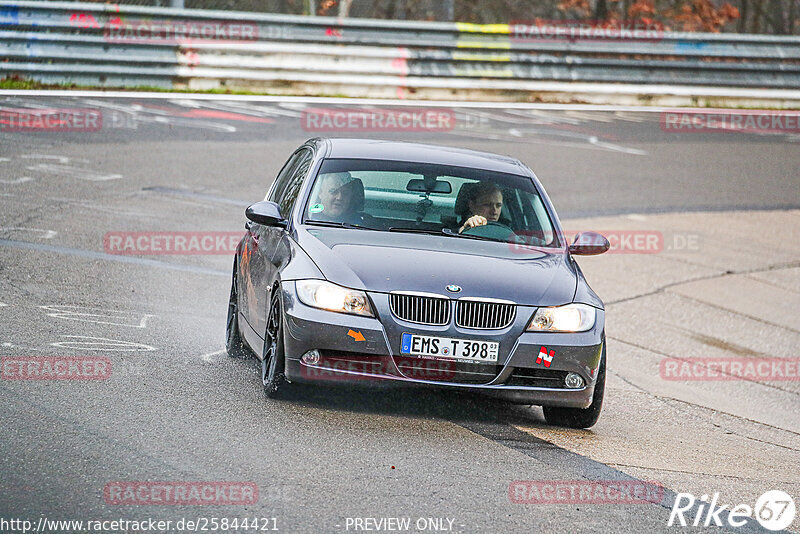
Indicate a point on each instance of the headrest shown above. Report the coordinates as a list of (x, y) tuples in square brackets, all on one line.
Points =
[(465, 194), (356, 187)]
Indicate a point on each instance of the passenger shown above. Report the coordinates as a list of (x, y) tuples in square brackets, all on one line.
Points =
[(484, 202), (339, 197)]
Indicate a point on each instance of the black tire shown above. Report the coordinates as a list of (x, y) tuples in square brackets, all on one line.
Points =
[(234, 344), (581, 417), (274, 363)]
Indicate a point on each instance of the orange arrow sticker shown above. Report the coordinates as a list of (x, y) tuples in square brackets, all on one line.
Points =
[(358, 336)]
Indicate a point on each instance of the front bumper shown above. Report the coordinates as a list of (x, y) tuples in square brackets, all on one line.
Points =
[(375, 359)]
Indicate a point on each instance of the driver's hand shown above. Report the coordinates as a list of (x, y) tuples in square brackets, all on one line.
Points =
[(472, 222)]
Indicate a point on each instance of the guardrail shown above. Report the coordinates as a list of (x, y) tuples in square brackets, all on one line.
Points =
[(124, 46)]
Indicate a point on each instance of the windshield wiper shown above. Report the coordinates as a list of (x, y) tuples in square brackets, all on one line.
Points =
[(334, 224), (408, 230), (444, 231), (337, 224)]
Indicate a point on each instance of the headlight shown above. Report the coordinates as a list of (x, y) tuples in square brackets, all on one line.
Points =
[(328, 296), (569, 318)]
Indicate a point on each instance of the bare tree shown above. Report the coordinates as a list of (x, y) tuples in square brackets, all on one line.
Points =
[(780, 17), (600, 10), (344, 8)]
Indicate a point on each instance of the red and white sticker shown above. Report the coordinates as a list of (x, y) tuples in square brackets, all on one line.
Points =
[(544, 357)]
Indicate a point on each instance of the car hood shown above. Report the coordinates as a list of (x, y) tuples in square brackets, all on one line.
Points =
[(384, 262)]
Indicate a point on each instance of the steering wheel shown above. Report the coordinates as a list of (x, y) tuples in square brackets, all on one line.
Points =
[(492, 230)]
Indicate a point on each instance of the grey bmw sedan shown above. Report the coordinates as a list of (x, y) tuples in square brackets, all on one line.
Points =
[(393, 263)]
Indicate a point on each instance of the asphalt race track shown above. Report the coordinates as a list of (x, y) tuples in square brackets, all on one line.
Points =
[(176, 408)]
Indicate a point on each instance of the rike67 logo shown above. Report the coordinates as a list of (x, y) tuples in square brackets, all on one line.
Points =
[(774, 510)]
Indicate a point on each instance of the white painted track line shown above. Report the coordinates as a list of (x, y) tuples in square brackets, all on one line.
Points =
[(790, 95)]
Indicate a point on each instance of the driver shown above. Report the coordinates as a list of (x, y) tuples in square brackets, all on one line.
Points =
[(485, 203)]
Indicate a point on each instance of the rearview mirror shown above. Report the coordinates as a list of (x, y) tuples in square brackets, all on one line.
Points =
[(266, 213), (417, 185), (589, 244)]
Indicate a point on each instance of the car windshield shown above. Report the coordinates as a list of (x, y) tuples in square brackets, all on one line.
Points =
[(398, 196)]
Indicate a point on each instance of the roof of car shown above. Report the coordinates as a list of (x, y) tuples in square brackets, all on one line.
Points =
[(401, 151)]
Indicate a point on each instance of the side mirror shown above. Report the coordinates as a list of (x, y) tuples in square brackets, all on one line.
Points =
[(589, 244), (266, 213)]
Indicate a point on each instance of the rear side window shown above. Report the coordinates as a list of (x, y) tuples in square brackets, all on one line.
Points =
[(283, 177), (290, 180), (295, 182)]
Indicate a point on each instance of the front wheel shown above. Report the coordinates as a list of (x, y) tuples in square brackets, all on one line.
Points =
[(274, 363), (234, 345), (581, 417)]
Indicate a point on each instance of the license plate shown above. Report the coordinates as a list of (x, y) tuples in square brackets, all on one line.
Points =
[(449, 348)]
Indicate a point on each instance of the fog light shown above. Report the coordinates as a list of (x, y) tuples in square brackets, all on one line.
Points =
[(311, 357), (574, 381)]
